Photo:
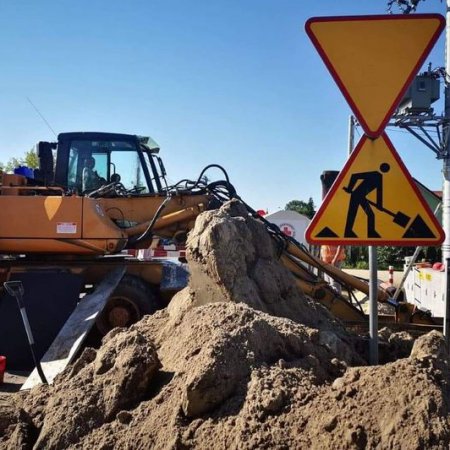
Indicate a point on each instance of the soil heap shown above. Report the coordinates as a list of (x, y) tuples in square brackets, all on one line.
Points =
[(239, 359)]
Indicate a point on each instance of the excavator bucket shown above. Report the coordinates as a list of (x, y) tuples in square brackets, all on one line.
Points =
[(72, 335)]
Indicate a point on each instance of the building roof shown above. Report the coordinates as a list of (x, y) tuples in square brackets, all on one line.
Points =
[(286, 215)]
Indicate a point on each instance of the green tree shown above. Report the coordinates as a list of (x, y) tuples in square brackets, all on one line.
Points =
[(390, 256), (357, 256), (30, 160), (305, 208), (12, 164)]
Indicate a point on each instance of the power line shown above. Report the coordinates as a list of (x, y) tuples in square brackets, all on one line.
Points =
[(42, 117)]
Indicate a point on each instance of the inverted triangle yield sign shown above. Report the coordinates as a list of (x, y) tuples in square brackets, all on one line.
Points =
[(374, 201), (374, 59)]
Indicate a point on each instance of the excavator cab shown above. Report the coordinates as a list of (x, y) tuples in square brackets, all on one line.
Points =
[(108, 164)]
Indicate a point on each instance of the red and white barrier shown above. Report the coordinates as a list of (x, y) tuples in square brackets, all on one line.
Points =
[(163, 251), (391, 276)]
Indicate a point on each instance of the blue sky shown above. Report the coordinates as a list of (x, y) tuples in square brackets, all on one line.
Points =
[(233, 82)]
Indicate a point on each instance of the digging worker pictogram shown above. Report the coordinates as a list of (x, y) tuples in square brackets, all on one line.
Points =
[(360, 186)]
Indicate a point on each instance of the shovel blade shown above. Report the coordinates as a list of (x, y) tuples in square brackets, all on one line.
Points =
[(401, 219)]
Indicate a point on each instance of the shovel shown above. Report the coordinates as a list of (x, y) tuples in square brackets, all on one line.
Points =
[(400, 218), (15, 289)]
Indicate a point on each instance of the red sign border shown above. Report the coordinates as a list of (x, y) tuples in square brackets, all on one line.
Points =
[(376, 242), (373, 133)]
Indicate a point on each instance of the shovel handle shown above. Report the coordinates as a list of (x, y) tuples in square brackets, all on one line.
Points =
[(15, 289), (380, 208)]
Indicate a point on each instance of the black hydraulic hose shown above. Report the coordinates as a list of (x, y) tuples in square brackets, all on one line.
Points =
[(146, 234), (215, 185), (217, 166), (199, 182)]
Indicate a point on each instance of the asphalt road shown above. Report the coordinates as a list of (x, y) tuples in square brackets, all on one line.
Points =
[(382, 275)]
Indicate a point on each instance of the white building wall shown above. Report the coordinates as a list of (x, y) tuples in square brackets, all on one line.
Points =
[(291, 223)]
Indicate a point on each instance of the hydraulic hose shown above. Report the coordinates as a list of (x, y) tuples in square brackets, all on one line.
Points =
[(147, 233)]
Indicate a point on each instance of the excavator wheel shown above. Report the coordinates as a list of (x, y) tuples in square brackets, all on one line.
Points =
[(130, 301)]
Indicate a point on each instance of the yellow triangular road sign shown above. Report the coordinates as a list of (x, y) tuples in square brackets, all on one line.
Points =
[(374, 59), (374, 201)]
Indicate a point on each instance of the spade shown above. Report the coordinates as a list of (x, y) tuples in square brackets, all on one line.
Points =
[(399, 217)]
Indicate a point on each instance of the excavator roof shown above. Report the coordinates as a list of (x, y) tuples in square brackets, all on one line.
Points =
[(96, 135), (147, 141)]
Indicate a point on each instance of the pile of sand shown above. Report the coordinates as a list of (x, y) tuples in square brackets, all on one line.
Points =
[(260, 366), (233, 258)]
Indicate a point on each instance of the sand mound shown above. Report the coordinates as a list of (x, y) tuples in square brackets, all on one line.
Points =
[(393, 346), (208, 361), (252, 368), (93, 391), (232, 258), (237, 378)]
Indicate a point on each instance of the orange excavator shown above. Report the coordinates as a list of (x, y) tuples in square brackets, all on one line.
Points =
[(65, 227)]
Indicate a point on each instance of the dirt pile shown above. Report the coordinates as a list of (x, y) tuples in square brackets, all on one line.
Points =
[(94, 390), (237, 378), (242, 371), (232, 258), (207, 361), (393, 346)]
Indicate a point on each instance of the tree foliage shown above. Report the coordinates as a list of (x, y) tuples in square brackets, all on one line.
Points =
[(305, 208), (29, 159), (357, 256), (392, 256), (12, 164)]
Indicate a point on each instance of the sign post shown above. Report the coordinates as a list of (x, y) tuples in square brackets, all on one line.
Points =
[(373, 305)]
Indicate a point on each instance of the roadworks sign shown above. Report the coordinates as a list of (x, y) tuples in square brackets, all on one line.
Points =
[(374, 59), (374, 201)]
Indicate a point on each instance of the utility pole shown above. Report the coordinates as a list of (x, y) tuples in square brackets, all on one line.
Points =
[(351, 133), (446, 174), (446, 149), (441, 148), (412, 122)]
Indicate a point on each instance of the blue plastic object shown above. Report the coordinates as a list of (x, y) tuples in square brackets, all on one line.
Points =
[(25, 171)]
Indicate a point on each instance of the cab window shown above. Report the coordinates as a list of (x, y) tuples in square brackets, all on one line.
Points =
[(93, 163)]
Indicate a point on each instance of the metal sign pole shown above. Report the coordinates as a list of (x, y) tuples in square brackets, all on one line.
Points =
[(447, 304), (373, 304)]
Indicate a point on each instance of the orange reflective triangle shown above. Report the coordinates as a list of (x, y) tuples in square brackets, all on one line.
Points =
[(374, 201), (374, 59)]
